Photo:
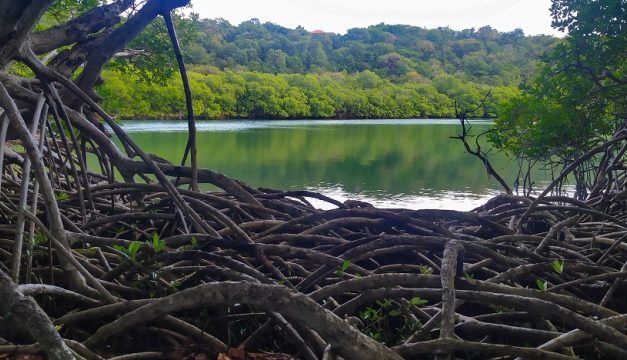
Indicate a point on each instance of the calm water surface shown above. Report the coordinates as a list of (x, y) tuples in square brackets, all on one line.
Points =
[(390, 163)]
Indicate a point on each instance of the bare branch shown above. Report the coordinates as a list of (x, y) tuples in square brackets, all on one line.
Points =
[(80, 28)]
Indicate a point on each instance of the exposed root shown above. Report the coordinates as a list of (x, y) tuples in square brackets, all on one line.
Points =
[(128, 270), (365, 282)]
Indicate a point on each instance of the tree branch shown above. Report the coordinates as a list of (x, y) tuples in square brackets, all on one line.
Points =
[(120, 37), (80, 28), (17, 20), (347, 341), (25, 310)]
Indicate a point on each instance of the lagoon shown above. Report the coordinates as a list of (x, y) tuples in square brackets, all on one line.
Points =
[(389, 163)]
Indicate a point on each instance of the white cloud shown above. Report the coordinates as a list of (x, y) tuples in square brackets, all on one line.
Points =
[(337, 16)]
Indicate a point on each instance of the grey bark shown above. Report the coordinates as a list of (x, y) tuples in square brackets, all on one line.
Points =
[(347, 341), (21, 308), (78, 29), (17, 20)]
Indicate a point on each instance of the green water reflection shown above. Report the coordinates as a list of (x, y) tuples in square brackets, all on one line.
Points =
[(371, 159)]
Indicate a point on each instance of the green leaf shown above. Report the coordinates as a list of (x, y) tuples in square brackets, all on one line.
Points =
[(558, 266), (345, 265), (385, 304), (395, 313), (40, 239), (61, 196), (542, 285), (194, 242), (131, 251), (417, 301), (133, 248), (155, 240), (157, 243), (342, 270)]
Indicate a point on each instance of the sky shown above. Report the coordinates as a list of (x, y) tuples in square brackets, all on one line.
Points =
[(340, 15)]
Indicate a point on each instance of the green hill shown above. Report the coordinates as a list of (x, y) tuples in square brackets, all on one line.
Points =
[(392, 51), (263, 70)]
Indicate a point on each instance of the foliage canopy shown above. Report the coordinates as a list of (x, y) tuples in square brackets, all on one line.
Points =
[(263, 70), (579, 97)]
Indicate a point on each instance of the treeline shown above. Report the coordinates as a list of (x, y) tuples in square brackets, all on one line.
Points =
[(257, 70), (246, 94), (484, 55)]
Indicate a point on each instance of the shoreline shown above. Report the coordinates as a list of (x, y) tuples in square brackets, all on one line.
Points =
[(183, 119)]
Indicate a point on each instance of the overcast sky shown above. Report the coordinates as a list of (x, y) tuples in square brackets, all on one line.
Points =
[(339, 15)]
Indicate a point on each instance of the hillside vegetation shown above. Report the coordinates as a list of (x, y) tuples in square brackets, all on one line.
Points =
[(257, 70)]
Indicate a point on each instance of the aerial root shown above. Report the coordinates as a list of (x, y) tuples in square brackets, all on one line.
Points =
[(133, 270), (357, 281)]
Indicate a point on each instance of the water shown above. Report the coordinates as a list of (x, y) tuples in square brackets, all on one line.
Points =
[(389, 163)]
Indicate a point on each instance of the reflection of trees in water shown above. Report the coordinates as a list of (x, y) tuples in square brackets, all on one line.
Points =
[(391, 158)]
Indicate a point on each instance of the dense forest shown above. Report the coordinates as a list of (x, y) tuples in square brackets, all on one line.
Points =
[(130, 259), (263, 70)]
